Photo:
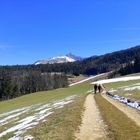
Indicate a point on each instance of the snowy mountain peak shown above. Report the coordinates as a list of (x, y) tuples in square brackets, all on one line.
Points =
[(60, 59)]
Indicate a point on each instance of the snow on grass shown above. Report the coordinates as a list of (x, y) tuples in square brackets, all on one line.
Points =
[(116, 80), (5, 120), (39, 113), (11, 112), (125, 88), (112, 90), (18, 110), (27, 137), (132, 88), (137, 84), (124, 100)]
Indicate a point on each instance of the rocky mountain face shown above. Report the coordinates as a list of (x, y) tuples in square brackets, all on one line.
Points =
[(60, 59)]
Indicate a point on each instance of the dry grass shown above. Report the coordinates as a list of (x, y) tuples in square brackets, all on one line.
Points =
[(74, 79), (62, 124), (120, 84), (43, 97), (119, 125), (133, 95)]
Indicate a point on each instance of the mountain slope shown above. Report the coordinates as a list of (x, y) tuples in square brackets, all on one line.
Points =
[(60, 59), (90, 66)]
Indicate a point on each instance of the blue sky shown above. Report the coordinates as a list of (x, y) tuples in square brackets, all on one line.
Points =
[(38, 29)]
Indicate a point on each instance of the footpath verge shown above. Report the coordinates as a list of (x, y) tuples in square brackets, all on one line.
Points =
[(120, 126)]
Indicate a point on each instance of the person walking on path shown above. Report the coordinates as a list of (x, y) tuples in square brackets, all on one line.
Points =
[(95, 88), (99, 88)]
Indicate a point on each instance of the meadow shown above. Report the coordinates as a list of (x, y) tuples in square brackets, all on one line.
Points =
[(128, 89), (31, 111)]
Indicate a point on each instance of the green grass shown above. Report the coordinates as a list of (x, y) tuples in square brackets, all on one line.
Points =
[(44, 96), (120, 127), (67, 115), (120, 84), (134, 95), (134, 74), (61, 125), (6, 137), (130, 94)]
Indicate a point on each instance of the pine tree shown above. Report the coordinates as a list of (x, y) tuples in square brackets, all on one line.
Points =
[(6, 86)]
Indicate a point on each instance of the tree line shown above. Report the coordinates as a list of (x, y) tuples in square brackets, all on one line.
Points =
[(89, 66), (24, 79), (131, 67), (128, 68), (19, 83)]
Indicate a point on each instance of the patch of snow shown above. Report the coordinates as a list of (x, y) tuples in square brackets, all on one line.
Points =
[(11, 112), (31, 121), (18, 110), (112, 90), (62, 103), (89, 91), (137, 84), (28, 137), (132, 88), (133, 104), (5, 120), (42, 107), (116, 80), (44, 111), (124, 100), (70, 59), (128, 94)]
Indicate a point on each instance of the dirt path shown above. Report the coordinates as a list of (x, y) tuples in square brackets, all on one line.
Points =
[(133, 114), (92, 127)]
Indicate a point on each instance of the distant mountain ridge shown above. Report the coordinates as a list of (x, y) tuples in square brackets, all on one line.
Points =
[(89, 66), (60, 59)]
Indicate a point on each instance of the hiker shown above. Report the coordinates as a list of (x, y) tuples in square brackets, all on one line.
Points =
[(95, 88), (99, 88)]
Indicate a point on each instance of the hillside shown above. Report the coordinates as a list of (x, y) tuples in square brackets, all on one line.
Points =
[(20, 80), (20, 115), (59, 59), (48, 114), (89, 66), (110, 61)]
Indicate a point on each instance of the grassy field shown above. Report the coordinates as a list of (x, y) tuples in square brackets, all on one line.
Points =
[(62, 124), (55, 125), (135, 74), (120, 127), (121, 84), (41, 97), (74, 79), (69, 115), (119, 89)]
